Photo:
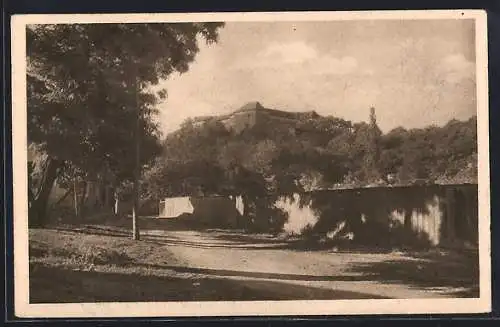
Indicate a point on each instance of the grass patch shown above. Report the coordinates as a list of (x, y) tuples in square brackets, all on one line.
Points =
[(86, 251)]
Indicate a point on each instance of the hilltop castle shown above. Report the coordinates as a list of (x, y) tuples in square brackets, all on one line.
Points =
[(254, 113)]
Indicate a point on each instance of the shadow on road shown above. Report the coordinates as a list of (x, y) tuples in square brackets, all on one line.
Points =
[(428, 270), (57, 285), (416, 273), (215, 239), (169, 239), (254, 274)]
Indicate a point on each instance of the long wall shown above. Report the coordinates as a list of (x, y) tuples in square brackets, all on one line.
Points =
[(413, 215)]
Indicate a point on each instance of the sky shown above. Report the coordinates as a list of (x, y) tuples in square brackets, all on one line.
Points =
[(413, 72)]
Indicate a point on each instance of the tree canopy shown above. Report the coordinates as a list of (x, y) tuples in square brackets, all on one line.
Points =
[(323, 152), (88, 82)]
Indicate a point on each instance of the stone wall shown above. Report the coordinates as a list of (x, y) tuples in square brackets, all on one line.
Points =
[(427, 215), (431, 215)]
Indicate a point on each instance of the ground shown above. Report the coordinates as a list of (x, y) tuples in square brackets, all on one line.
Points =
[(98, 262)]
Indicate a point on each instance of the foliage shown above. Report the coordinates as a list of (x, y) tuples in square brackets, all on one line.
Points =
[(432, 153), (325, 152), (89, 83)]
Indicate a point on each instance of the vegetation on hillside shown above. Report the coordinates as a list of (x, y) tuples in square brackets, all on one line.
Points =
[(266, 161), (316, 153)]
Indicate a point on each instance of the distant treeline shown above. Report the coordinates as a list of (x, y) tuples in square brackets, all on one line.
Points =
[(316, 153)]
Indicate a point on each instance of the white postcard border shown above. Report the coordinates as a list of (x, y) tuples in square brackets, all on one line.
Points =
[(239, 308)]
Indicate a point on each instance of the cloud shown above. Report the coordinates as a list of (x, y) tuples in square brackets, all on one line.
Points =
[(416, 75), (456, 68), (298, 58), (331, 65), (288, 53), (369, 72)]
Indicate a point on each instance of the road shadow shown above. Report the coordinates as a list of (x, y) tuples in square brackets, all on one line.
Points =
[(58, 285), (408, 272), (181, 223), (428, 270), (298, 244), (171, 239), (213, 238), (255, 274)]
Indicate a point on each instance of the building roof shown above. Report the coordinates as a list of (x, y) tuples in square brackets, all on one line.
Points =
[(254, 105), (257, 106)]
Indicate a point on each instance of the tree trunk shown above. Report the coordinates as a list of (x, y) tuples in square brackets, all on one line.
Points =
[(117, 202), (37, 215), (75, 197), (92, 196), (62, 198), (137, 170), (108, 203), (31, 197), (244, 216), (83, 199)]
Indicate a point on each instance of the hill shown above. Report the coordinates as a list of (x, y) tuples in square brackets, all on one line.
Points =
[(254, 113), (261, 150)]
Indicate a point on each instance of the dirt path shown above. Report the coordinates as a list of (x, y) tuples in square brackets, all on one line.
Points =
[(271, 266), (100, 263)]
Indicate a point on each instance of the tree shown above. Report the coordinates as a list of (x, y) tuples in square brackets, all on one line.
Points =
[(372, 154), (188, 164), (431, 153), (392, 151), (86, 85)]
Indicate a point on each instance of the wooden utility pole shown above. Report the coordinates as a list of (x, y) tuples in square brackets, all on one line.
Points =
[(137, 165)]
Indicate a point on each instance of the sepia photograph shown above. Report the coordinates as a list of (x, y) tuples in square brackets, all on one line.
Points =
[(234, 164)]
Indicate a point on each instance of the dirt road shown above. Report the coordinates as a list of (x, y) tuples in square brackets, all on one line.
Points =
[(270, 265), (98, 262)]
